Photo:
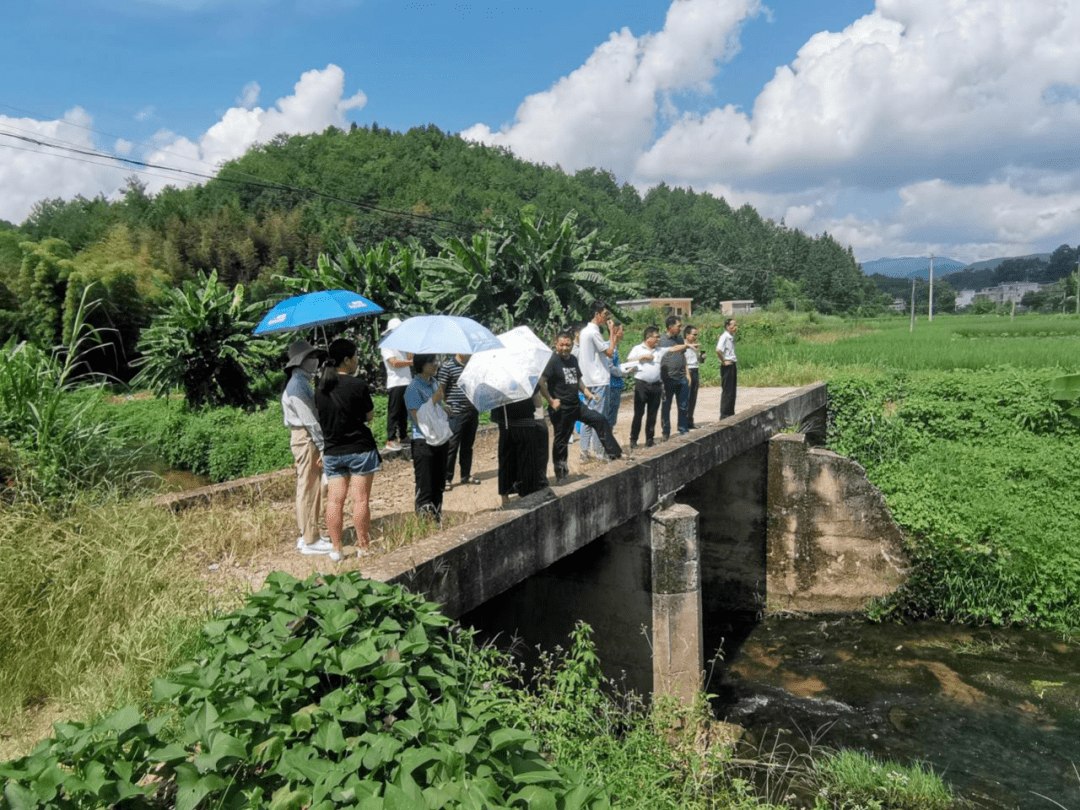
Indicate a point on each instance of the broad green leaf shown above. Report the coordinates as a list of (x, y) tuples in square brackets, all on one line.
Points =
[(222, 746), (285, 798), (269, 750), (123, 720), (19, 798), (394, 798), (535, 798), (508, 738), (167, 753), (328, 737)]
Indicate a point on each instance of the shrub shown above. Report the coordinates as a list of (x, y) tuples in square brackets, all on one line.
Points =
[(332, 692), (201, 342)]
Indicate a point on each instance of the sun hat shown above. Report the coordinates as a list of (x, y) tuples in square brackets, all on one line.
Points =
[(391, 325), (299, 351)]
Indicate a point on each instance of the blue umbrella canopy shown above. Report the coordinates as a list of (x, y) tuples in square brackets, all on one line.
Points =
[(315, 309), (440, 334)]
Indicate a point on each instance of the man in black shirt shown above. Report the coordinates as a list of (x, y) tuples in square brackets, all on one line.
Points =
[(559, 385)]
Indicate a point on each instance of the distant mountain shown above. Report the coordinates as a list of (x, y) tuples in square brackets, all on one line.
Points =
[(913, 266), (990, 264)]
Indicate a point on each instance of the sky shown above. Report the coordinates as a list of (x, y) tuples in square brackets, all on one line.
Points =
[(900, 127)]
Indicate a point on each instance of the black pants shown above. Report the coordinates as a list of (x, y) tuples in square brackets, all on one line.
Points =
[(562, 424), (691, 401), (429, 467), (729, 377), (464, 424), (647, 396), (523, 457), (397, 418), (676, 390)]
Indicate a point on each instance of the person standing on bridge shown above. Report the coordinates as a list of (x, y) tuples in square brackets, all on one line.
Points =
[(648, 390), (673, 375), (306, 443), (559, 385), (725, 350), (351, 457)]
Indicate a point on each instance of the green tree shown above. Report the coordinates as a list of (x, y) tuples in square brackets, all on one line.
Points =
[(201, 342), (126, 286), (42, 287), (538, 273)]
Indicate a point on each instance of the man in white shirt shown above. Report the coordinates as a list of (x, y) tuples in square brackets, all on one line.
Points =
[(398, 377), (594, 372), (648, 390), (725, 350)]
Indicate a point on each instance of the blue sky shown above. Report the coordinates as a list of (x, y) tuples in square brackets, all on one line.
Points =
[(901, 127)]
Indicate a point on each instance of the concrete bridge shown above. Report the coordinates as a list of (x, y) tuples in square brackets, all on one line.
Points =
[(738, 516)]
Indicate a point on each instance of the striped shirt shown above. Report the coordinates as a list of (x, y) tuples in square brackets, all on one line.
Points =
[(448, 376)]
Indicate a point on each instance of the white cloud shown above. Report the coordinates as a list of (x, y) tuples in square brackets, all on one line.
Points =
[(317, 102), (605, 112), (31, 172), (145, 114), (966, 112), (249, 96)]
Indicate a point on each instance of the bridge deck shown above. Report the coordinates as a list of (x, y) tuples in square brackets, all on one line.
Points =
[(463, 567)]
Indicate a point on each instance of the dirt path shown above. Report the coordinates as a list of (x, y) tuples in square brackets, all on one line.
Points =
[(392, 493)]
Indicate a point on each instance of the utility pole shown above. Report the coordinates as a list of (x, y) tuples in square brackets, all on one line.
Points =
[(931, 303), (912, 327)]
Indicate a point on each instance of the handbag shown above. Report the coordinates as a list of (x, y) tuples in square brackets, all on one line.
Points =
[(432, 421)]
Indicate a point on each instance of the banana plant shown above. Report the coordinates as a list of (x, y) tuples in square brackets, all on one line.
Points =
[(1067, 389)]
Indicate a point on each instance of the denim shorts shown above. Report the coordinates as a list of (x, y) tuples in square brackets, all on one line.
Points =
[(351, 464)]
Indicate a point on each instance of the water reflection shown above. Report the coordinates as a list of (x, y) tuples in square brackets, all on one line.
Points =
[(996, 712)]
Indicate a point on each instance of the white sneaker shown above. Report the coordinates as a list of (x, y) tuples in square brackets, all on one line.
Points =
[(320, 546), (392, 446), (336, 556), (300, 541)]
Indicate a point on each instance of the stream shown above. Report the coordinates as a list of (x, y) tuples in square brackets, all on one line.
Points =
[(995, 712)]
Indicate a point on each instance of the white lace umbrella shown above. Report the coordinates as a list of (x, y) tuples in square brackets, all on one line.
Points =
[(501, 376)]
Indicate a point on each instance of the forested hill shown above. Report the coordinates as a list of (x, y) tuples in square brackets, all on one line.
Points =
[(341, 185)]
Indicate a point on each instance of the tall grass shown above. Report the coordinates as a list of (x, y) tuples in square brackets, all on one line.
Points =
[(58, 442), (91, 604), (96, 602)]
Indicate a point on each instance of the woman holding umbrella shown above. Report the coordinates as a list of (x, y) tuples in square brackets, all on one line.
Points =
[(429, 461), (350, 455)]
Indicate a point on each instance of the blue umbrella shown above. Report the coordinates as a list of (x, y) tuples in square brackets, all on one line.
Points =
[(440, 334), (315, 309)]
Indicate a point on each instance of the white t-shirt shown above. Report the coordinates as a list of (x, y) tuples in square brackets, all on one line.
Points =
[(593, 371), (726, 347), (691, 358), (647, 370), (396, 377)]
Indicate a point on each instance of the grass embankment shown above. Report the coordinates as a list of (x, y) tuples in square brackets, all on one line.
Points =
[(955, 425)]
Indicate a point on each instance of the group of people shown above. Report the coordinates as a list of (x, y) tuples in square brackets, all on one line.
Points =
[(328, 410)]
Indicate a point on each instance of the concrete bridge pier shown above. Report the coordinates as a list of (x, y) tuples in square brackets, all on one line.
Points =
[(677, 640)]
